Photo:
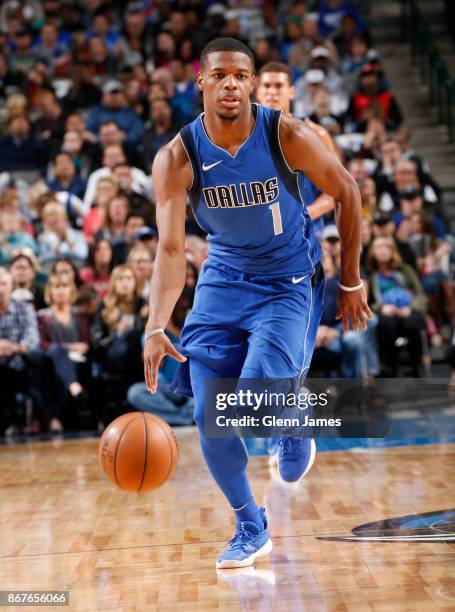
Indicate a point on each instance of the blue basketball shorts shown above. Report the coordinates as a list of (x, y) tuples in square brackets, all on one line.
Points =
[(251, 326)]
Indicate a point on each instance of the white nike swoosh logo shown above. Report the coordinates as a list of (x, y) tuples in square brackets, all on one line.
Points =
[(295, 281), (205, 168)]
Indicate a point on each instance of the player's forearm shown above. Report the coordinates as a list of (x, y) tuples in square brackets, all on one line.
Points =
[(322, 205), (168, 280), (349, 222)]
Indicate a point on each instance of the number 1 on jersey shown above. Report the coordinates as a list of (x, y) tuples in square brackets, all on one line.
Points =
[(276, 216)]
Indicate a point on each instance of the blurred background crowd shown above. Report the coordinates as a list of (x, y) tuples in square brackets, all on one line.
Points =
[(89, 92)]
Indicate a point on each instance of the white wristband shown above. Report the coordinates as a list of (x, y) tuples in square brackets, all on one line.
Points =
[(151, 333), (356, 288)]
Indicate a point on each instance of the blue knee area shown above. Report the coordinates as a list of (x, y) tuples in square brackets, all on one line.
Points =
[(56, 351), (135, 394), (198, 415), (372, 323), (198, 384), (352, 341), (431, 283), (352, 348)]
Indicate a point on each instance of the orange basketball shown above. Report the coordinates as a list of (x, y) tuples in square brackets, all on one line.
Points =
[(138, 451)]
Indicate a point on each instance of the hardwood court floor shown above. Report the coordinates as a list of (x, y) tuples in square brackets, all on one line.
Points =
[(64, 526)]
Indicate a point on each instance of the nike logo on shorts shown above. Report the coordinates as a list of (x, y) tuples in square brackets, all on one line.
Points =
[(205, 168), (295, 281)]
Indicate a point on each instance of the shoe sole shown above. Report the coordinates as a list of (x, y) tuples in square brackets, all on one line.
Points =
[(233, 563), (308, 467), (266, 575)]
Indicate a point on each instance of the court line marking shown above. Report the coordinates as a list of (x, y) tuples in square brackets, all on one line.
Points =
[(202, 543)]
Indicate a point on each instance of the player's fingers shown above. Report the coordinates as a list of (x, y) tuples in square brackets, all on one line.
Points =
[(148, 381), (338, 314), (173, 352), (149, 376), (367, 311), (354, 319), (153, 379), (362, 319), (345, 320), (152, 365)]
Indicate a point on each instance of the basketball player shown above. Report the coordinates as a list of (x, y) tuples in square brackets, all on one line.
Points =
[(261, 288), (274, 89)]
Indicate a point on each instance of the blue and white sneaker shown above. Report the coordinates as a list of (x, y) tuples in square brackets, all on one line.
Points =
[(247, 545), (295, 457), (271, 446)]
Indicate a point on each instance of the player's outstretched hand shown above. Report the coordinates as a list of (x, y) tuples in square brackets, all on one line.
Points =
[(155, 349), (353, 305)]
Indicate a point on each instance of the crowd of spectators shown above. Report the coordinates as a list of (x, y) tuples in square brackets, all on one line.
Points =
[(89, 92)]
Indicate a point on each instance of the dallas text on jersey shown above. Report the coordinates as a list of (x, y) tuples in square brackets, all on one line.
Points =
[(245, 194)]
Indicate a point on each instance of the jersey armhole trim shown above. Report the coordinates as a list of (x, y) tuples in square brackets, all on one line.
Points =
[(281, 148), (191, 163)]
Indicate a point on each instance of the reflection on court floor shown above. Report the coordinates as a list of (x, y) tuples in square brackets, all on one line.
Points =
[(342, 538)]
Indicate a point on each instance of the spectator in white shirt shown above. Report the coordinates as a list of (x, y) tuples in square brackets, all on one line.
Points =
[(112, 156), (58, 238)]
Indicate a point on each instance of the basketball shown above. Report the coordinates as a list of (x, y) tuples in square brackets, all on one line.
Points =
[(138, 452)]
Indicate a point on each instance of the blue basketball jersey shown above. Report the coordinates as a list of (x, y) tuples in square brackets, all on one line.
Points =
[(251, 204)]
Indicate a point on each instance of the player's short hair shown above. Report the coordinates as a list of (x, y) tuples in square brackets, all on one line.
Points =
[(225, 44), (276, 67)]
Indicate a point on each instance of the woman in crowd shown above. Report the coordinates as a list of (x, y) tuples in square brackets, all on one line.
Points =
[(65, 339), (367, 189), (432, 254), (106, 189), (396, 295), (367, 236), (64, 265), (116, 335), (99, 269), (58, 238), (115, 213), (11, 203), (141, 263), (13, 236)]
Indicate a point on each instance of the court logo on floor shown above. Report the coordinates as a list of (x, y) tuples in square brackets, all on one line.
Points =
[(437, 526)]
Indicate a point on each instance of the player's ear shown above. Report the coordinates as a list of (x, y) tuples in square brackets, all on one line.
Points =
[(199, 80), (253, 84), (292, 92)]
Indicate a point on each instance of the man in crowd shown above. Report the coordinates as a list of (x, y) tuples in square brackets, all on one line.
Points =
[(161, 128), (65, 177), (373, 97), (21, 150), (114, 107), (27, 287), (138, 202), (113, 155), (18, 336)]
